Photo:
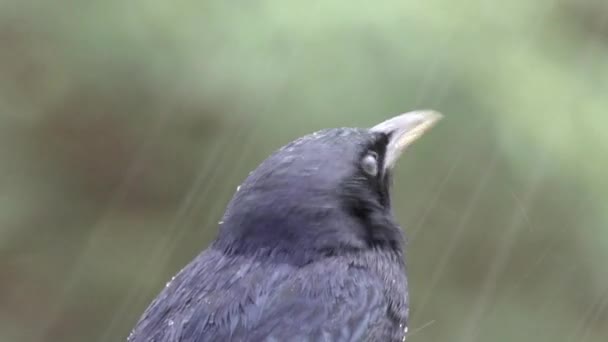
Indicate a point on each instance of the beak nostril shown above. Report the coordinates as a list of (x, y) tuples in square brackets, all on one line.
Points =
[(404, 129)]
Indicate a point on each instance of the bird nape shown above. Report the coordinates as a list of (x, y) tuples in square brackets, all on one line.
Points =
[(308, 249)]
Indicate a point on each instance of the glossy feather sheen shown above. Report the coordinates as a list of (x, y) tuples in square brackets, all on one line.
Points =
[(341, 299), (306, 252)]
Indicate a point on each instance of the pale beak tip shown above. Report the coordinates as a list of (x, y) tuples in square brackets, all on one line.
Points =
[(428, 116)]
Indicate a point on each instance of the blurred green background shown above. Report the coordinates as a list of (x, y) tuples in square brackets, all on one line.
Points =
[(125, 127)]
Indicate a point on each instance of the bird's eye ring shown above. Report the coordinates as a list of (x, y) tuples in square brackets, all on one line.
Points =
[(369, 163)]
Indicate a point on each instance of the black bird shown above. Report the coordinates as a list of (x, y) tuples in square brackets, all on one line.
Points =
[(308, 249)]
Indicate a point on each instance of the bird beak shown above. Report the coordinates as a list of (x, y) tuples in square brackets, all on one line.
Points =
[(403, 130)]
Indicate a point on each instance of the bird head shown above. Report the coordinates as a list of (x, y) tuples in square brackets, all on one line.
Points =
[(323, 194)]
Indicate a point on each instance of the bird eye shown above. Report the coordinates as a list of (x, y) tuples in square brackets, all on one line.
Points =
[(370, 163)]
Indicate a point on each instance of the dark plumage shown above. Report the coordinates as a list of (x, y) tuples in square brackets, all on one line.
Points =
[(308, 249)]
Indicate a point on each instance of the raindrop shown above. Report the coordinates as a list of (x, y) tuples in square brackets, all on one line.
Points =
[(169, 282)]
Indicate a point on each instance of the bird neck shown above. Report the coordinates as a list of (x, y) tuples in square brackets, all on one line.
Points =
[(300, 239)]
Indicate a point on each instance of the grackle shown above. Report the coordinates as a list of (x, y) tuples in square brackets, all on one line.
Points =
[(307, 250)]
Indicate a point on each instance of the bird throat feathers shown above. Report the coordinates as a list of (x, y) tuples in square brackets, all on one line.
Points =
[(309, 230)]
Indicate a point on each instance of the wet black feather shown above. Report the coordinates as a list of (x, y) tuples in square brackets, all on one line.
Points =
[(308, 251)]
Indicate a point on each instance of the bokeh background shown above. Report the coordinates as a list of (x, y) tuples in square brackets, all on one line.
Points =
[(125, 127)]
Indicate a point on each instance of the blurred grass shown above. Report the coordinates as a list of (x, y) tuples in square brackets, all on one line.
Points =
[(125, 127)]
